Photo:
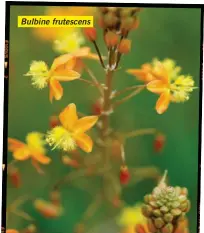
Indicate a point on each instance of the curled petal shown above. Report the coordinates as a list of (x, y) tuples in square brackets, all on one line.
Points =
[(157, 86), (56, 90), (21, 154), (66, 61), (85, 123), (14, 144), (84, 142), (163, 102), (68, 117)]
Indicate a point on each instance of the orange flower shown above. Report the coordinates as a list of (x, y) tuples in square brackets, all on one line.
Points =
[(61, 70), (163, 78), (33, 149), (12, 231), (72, 131)]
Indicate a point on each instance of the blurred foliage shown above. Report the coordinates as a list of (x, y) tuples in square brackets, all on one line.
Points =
[(163, 32)]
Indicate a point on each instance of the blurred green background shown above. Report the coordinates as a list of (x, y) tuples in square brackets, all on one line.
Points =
[(173, 33)]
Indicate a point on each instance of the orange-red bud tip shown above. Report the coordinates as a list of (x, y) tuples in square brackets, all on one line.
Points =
[(54, 121), (111, 39), (124, 175), (159, 142), (90, 33), (124, 46)]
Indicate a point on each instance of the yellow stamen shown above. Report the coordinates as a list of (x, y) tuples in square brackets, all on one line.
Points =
[(60, 138)]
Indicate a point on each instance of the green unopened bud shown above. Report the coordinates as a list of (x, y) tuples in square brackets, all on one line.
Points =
[(168, 228), (164, 209), (159, 223), (176, 212), (146, 210), (168, 217)]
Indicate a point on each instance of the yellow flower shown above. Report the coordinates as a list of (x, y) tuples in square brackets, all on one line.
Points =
[(52, 34), (61, 70), (163, 78), (72, 131), (130, 217), (69, 43), (33, 149)]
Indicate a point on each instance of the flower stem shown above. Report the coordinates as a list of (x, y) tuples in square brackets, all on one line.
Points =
[(95, 81), (99, 54), (140, 132), (125, 99), (118, 93)]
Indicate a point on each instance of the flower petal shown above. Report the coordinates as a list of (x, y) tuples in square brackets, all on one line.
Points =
[(22, 153), (85, 123), (66, 75), (11, 231), (157, 86), (141, 75), (41, 158), (65, 61), (56, 89), (163, 102), (68, 117), (84, 142), (14, 144), (82, 52)]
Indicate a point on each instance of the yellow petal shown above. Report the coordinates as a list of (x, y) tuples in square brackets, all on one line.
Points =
[(163, 102), (66, 75), (14, 144), (82, 52), (41, 158), (21, 154), (84, 142), (161, 73), (65, 61), (93, 56), (68, 117), (85, 123), (56, 89), (157, 86)]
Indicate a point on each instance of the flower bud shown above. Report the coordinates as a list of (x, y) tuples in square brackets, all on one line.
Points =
[(90, 33), (14, 176), (97, 107), (70, 162), (54, 121), (47, 209), (55, 197), (159, 142), (124, 175), (124, 46), (168, 228), (111, 39), (30, 229)]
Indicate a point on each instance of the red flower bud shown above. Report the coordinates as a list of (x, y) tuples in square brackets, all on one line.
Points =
[(124, 175), (140, 228), (90, 33), (14, 176), (159, 142), (97, 107), (124, 46), (54, 121)]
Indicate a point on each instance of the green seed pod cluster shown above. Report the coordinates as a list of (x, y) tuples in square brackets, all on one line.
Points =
[(165, 207), (118, 19)]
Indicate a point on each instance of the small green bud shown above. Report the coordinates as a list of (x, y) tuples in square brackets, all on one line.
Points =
[(168, 217), (176, 212), (168, 228), (159, 223)]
